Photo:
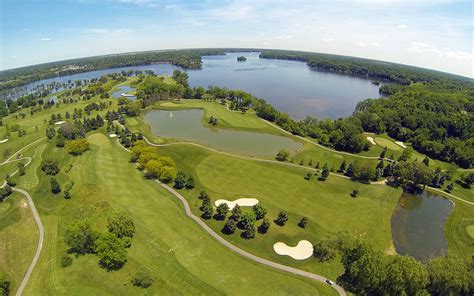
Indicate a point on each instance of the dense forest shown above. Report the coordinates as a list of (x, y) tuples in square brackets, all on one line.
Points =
[(437, 123), (378, 70), (186, 58)]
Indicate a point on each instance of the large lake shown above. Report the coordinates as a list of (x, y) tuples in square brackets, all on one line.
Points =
[(186, 125), (288, 85), (418, 225)]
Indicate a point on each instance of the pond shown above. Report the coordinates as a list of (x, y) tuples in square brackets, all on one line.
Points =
[(123, 89), (288, 85), (418, 225), (187, 125)]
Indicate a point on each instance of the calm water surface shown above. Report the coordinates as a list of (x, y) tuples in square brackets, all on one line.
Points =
[(123, 89), (186, 125), (288, 85), (418, 225)]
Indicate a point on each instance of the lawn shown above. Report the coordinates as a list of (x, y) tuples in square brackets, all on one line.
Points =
[(181, 256), (226, 119), (18, 238), (279, 187)]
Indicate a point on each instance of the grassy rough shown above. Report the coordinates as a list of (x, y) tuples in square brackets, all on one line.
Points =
[(181, 256)]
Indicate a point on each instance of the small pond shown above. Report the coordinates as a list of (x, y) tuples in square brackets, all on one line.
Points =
[(418, 225), (186, 125), (123, 89)]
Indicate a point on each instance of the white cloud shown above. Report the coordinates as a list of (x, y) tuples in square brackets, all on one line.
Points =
[(289, 36), (402, 27), (45, 39), (327, 39), (235, 11), (362, 44)]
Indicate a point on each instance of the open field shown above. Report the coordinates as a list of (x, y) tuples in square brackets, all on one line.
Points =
[(18, 238), (167, 243), (280, 187)]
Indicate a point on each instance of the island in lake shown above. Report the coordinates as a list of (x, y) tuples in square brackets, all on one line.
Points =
[(241, 59)]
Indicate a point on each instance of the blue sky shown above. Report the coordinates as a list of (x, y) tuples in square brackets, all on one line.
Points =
[(436, 34)]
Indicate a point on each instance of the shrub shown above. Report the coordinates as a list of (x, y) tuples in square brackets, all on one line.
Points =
[(259, 211), (323, 251), (50, 167), (111, 251), (121, 225), (66, 261), (282, 155), (180, 180), (80, 238), (55, 188), (4, 285), (77, 147), (229, 226), (263, 228), (281, 219), (303, 222), (142, 278)]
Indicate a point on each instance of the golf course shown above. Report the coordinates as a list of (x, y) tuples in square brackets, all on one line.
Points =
[(163, 194)]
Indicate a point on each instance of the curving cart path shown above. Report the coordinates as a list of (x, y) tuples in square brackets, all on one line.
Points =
[(230, 246), (36, 216), (243, 253)]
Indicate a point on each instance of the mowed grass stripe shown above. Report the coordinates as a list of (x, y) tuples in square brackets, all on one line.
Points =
[(182, 257)]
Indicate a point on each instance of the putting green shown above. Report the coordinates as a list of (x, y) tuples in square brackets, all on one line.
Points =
[(390, 145), (470, 230)]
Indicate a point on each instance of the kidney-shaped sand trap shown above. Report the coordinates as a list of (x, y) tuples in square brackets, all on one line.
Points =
[(371, 140), (3, 141), (303, 250), (113, 135), (59, 122), (401, 144), (243, 202)]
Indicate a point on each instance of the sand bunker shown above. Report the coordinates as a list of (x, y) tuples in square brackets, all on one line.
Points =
[(113, 135), (303, 250), (371, 140), (243, 202), (59, 122), (400, 144), (3, 141)]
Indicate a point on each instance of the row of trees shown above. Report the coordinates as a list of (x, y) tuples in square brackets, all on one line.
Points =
[(245, 221), (367, 273), (156, 167), (397, 73)]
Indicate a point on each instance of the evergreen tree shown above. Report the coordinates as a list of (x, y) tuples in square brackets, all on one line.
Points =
[(264, 226), (342, 168)]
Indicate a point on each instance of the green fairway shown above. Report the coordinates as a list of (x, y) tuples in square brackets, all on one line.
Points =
[(181, 256), (458, 231), (18, 238), (227, 119), (470, 230), (280, 187)]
